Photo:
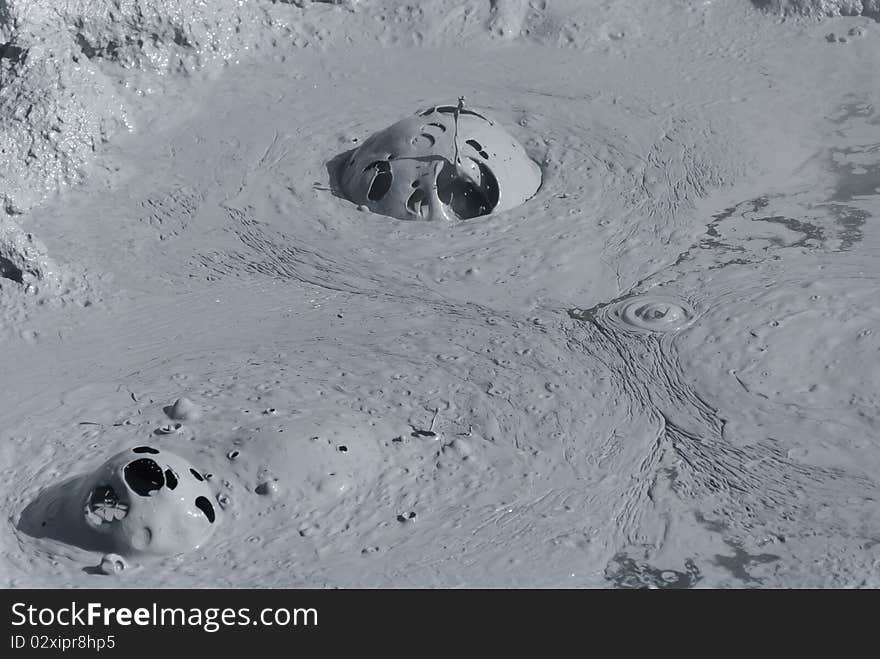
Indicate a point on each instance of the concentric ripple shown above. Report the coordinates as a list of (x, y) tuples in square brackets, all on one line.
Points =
[(651, 314)]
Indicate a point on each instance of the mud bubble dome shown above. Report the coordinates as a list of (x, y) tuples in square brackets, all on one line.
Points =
[(148, 501), (446, 162)]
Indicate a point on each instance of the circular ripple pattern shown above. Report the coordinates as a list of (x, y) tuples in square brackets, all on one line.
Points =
[(651, 314)]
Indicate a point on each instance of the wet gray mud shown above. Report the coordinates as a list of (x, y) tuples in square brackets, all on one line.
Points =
[(647, 372)]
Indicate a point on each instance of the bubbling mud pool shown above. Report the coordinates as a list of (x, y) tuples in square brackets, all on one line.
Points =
[(634, 359)]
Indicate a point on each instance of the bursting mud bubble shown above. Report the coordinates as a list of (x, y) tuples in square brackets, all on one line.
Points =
[(278, 309), (140, 501), (447, 162)]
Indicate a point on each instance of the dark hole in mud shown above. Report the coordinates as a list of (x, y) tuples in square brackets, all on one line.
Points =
[(478, 148), (145, 449), (205, 506), (144, 476), (436, 125), (423, 433), (415, 201), (415, 184), (170, 479), (197, 475), (343, 449), (430, 139), (381, 183), (468, 198), (12, 52), (8, 270), (449, 109)]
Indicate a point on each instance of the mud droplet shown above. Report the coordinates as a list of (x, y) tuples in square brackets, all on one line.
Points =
[(112, 564)]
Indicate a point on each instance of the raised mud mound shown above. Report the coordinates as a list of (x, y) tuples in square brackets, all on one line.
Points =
[(140, 501), (57, 102), (446, 162)]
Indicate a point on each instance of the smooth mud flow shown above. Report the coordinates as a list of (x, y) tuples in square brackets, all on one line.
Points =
[(609, 320)]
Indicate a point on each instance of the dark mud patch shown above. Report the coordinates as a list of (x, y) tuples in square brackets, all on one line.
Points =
[(741, 560), (625, 572)]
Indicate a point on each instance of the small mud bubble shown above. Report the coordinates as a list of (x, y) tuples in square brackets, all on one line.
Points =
[(183, 409), (269, 488), (112, 564), (432, 176), (651, 314)]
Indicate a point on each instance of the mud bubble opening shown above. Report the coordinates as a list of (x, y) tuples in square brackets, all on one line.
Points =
[(445, 162)]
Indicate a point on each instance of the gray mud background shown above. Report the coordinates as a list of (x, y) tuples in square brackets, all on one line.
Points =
[(661, 370)]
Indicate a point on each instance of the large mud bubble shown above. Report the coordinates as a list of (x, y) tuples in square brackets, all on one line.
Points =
[(140, 501)]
